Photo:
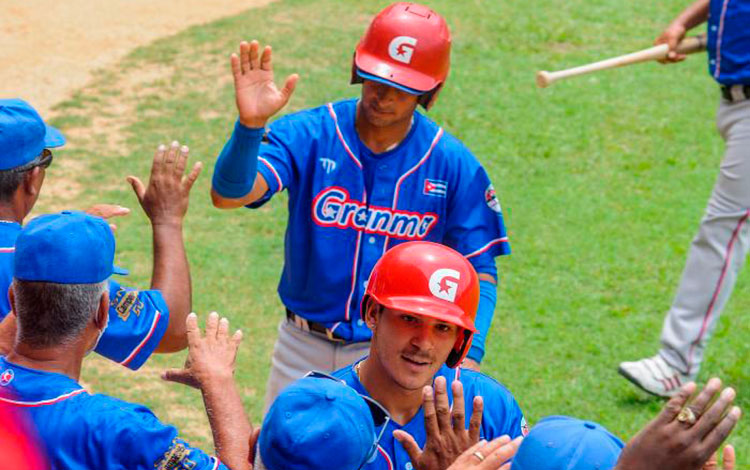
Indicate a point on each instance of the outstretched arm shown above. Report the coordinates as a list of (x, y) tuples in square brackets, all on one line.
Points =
[(165, 202), (210, 367), (236, 181)]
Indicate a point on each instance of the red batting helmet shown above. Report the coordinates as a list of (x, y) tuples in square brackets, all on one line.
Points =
[(406, 46), (431, 280)]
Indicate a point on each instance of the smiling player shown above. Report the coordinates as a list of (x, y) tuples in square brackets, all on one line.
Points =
[(363, 176)]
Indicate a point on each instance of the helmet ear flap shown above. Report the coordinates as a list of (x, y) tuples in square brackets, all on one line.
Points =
[(355, 78), (460, 349), (427, 99)]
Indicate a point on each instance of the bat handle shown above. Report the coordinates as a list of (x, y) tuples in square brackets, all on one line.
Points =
[(692, 44)]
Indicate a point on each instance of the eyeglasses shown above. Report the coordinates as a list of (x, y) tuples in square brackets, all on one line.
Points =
[(44, 160), (380, 415)]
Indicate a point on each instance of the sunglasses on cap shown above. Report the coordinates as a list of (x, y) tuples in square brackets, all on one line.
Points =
[(380, 415), (43, 160)]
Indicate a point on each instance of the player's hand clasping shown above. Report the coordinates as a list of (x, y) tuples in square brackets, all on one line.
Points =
[(256, 94), (165, 199), (447, 436), (210, 357)]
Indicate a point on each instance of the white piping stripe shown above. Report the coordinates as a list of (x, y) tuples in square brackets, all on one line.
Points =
[(144, 341), (424, 158), (273, 170), (717, 70), (341, 136), (486, 247), (49, 401), (10, 249)]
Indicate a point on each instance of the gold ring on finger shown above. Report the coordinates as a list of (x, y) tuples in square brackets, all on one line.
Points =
[(687, 416), (479, 455)]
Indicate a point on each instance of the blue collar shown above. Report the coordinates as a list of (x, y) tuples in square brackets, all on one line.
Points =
[(28, 387)]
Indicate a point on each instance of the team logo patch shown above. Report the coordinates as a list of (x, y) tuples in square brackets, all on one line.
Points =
[(328, 165), (490, 197), (436, 188), (401, 48), (333, 207), (176, 458), (6, 377), (444, 284), (125, 302)]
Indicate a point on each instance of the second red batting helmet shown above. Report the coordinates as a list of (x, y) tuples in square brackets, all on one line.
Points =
[(406, 46), (431, 280)]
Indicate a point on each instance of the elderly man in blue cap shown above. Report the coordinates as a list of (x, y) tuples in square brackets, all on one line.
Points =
[(140, 322), (60, 296)]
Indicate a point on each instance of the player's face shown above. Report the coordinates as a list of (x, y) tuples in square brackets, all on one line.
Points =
[(411, 348), (383, 105)]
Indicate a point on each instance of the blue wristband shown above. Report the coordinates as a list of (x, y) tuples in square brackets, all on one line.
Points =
[(485, 312), (237, 165)]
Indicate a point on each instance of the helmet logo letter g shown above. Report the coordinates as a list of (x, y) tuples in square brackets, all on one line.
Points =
[(444, 284), (401, 48)]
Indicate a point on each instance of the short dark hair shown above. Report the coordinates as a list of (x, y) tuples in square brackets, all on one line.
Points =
[(50, 314), (10, 180)]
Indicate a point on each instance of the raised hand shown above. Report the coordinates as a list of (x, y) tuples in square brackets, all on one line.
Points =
[(165, 200), (107, 211), (256, 94), (684, 435), (493, 455), (447, 436), (210, 357), (728, 460)]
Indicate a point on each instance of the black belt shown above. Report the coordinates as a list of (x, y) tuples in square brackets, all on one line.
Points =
[(733, 93), (316, 328)]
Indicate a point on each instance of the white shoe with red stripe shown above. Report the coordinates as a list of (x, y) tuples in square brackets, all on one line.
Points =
[(654, 376)]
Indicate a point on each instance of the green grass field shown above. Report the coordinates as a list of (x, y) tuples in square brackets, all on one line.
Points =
[(603, 180)]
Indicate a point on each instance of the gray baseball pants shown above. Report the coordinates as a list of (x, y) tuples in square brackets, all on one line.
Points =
[(719, 250), (297, 352)]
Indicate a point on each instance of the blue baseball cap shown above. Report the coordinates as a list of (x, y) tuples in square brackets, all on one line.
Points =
[(314, 422), (23, 134), (564, 443), (67, 248)]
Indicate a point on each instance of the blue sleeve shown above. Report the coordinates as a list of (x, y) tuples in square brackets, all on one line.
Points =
[(137, 322), (286, 142), (136, 439), (6, 277), (236, 167), (502, 414), (475, 225), (483, 321)]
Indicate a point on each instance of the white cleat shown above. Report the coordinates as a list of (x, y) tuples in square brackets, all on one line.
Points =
[(654, 376)]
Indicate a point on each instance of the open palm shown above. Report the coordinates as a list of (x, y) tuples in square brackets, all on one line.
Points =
[(256, 94)]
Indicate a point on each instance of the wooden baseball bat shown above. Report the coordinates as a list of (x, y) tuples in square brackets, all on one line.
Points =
[(688, 45)]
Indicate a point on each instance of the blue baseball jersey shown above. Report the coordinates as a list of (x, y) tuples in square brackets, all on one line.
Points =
[(729, 41), (348, 205), (502, 415), (137, 319), (81, 431)]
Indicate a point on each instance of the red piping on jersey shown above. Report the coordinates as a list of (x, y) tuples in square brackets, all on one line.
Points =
[(273, 170), (717, 70), (354, 270), (427, 154), (145, 340), (719, 283), (487, 246), (341, 136), (216, 463), (8, 249), (51, 401), (387, 457)]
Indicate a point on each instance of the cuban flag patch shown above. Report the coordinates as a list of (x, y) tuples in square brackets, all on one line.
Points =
[(437, 188)]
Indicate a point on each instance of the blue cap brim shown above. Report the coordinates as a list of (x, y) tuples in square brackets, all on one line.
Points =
[(120, 271), (53, 138), (375, 78)]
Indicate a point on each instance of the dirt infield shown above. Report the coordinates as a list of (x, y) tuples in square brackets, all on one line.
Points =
[(49, 48)]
